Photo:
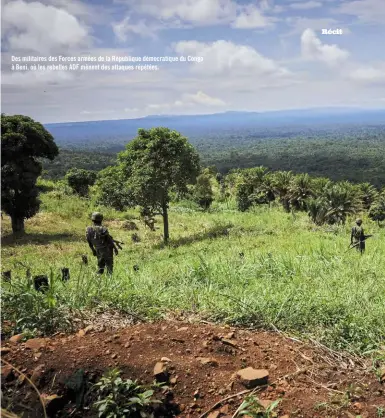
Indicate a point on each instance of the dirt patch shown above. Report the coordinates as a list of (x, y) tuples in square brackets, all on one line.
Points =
[(202, 361)]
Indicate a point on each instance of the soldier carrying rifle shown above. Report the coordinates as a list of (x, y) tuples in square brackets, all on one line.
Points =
[(102, 245), (357, 237)]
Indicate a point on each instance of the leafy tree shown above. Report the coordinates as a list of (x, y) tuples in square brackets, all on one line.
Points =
[(80, 180), (203, 192), (157, 162), (243, 196), (254, 187), (112, 189), (377, 209), (23, 142)]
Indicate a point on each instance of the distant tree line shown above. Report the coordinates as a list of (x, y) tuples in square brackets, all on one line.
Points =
[(355, 153)]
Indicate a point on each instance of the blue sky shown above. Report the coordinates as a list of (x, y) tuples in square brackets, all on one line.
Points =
[(257, 55)]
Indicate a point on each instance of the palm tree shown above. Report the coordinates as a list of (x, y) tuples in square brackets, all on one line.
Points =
[(300, 190), (368, 194), (317, 210), (282, 182), (342, 200), (320, 184)]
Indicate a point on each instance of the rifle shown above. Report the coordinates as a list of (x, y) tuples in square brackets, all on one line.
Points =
[(358, 243), (118, 244)]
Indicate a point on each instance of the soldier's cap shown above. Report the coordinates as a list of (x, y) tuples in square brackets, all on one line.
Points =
[(97, 216), (359, 221)]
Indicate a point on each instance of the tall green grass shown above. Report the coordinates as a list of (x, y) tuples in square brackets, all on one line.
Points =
[(292, 276)]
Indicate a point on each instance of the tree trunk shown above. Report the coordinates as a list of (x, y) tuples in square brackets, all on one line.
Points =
[(165, 223), (286, 205), (17, 225)]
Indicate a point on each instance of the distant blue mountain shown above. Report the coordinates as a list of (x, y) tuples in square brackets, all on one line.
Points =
[(121, 131)]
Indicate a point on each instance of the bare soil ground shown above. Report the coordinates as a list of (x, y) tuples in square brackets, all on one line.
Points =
[(310, 380)]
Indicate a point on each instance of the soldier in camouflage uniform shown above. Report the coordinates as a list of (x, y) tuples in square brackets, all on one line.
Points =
[(101, 243), (357, 237)]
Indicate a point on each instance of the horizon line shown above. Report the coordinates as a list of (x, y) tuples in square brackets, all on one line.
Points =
[(227, 111)]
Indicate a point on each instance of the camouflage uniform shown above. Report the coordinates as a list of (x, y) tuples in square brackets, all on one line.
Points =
[(358, 236), (102, 246)]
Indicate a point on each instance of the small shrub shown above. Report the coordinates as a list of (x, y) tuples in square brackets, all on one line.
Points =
[(123, 398)]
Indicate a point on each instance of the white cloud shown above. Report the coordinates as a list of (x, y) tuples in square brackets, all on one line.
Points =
[(189, 102), (203, 99), (306, 6), (314, 50), (41, 28), (250, 18), (223, 58), (125, 27), (368, 11), (179, 13), (369, 75)]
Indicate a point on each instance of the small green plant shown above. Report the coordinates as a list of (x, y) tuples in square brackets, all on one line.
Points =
[(123, 398), (252, 407), (380, 412)]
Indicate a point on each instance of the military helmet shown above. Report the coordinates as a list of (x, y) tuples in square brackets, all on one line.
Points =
[(359, 221), (97, 216)]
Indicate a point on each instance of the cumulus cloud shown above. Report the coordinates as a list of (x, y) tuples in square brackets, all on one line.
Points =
[(41, 28), (314, 50), (229, 59), (251, 17)]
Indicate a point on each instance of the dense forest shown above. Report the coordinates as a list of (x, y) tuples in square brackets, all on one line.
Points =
[(355, 154)]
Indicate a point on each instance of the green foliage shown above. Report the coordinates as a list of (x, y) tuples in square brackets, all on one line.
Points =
[(377, 209), (112, 189), (33, 311), (80, 180), (252, 407), (157, 162), (203, 192), (254, 187), (317, 210), (301, 188), (334, 204), (92, 159), (282, 182), (23, 142), (342, 200), (243, 196), (118, 398), (368, 194)]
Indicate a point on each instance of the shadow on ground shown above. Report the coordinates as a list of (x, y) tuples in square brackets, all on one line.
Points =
[(211, 233), (11, 240)]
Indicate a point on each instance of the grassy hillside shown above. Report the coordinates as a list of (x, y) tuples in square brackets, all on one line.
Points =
[(292, 275)]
